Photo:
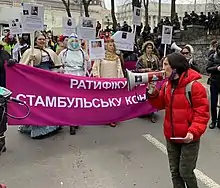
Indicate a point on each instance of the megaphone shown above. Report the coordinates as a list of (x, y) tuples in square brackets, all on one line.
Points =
[(175, 47), (135, 79)]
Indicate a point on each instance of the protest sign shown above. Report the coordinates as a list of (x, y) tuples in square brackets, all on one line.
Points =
[(87, 28), (69, 26), (167, 33), (32, 18), (60, 99), (96, 49), (137, 14), (124, 40), (15, 26)]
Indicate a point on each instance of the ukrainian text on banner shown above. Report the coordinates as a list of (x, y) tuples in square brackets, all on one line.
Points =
[(59, 99)]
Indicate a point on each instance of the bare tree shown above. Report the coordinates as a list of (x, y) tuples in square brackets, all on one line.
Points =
[(173, 9), (114, 20), (67, 7), (86, 4), (146, 5), (136, 3)]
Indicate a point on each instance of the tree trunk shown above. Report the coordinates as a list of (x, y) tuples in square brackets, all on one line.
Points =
[(136, 3), (173, 9), (67, 7), (159, 11), (86, 4), (114, 20), (146, 3)]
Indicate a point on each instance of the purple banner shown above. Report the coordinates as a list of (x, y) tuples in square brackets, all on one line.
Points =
[(59, 99)]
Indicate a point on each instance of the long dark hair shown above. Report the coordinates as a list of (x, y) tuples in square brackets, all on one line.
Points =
[(178, 62)]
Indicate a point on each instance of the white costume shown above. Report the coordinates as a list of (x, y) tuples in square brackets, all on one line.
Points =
[(74, 59)]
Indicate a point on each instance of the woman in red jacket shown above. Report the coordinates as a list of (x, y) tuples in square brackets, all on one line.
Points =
[(184, 123)]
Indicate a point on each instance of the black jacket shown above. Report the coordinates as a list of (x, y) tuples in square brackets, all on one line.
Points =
[(4, 57), (213, 63)]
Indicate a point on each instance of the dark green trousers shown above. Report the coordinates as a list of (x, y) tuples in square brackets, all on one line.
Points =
[(182, 160)]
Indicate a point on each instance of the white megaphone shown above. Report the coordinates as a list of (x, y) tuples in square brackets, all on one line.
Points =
[(135, 79), (175, 47)]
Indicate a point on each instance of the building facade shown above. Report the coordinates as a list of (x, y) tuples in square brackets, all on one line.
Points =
[(54, 11), (124, 12)]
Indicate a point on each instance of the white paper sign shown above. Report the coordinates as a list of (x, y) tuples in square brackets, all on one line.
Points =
[(32, 18), (87, 28), (69, 26), (137, 14), (15, 26), (96, 49), (124, 40), (167, 33)]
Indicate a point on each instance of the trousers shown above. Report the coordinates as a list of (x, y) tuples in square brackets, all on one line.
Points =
[(182, 161)]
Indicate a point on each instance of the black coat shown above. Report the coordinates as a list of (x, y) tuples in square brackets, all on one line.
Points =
[(4, 56)]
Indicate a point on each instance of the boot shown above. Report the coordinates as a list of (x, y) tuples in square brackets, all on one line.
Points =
[(2, 144), (73, 130)]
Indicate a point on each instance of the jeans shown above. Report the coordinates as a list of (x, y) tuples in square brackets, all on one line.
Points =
[(214, 100), (182, 160)]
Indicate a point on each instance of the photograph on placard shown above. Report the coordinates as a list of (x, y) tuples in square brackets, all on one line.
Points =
[(167, 31), (15, 26), (34, 11), (69, 26), (96, 49), (25, 12), (137, 16), (87, 23), (138, 12)]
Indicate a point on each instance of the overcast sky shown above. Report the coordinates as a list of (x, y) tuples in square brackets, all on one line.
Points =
[(119, 2)]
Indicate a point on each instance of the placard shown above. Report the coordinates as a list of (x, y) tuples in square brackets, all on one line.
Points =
[(15, 26), (137, 14), (87, 28), (96, 49), (32, 17), (167, 33), (69, 26), (124, 40)]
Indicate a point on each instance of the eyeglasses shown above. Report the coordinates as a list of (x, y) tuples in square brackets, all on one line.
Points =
[(185, 53)]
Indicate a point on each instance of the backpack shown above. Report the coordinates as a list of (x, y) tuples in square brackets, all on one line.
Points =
[(188, 90)]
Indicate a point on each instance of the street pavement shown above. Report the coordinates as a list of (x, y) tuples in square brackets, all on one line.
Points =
[(130, 155)]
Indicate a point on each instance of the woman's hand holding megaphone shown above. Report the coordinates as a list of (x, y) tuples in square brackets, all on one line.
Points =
[(151, 87)]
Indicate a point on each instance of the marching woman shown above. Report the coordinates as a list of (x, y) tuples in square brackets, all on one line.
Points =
[(75, 62), (47, 59), (186, 106), (110, 66), (148, 62)]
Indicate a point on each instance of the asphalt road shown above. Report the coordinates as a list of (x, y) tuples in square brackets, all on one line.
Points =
[(101, 157), (130, 155)]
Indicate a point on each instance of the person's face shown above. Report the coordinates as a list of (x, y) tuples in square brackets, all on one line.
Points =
[(214, 45), (41, 41), (149, 49), (74, 43), (65, 42), (25, 37), (218, 50), (111, 47), (167, 68), (186, 53)]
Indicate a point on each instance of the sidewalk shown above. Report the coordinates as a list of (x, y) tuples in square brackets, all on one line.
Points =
[(203, 80)]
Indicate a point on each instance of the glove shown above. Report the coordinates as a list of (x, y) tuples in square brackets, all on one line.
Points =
[(12, 62), (151, 87)]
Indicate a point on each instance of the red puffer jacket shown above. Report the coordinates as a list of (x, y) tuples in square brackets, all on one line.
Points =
[(180, 117)]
